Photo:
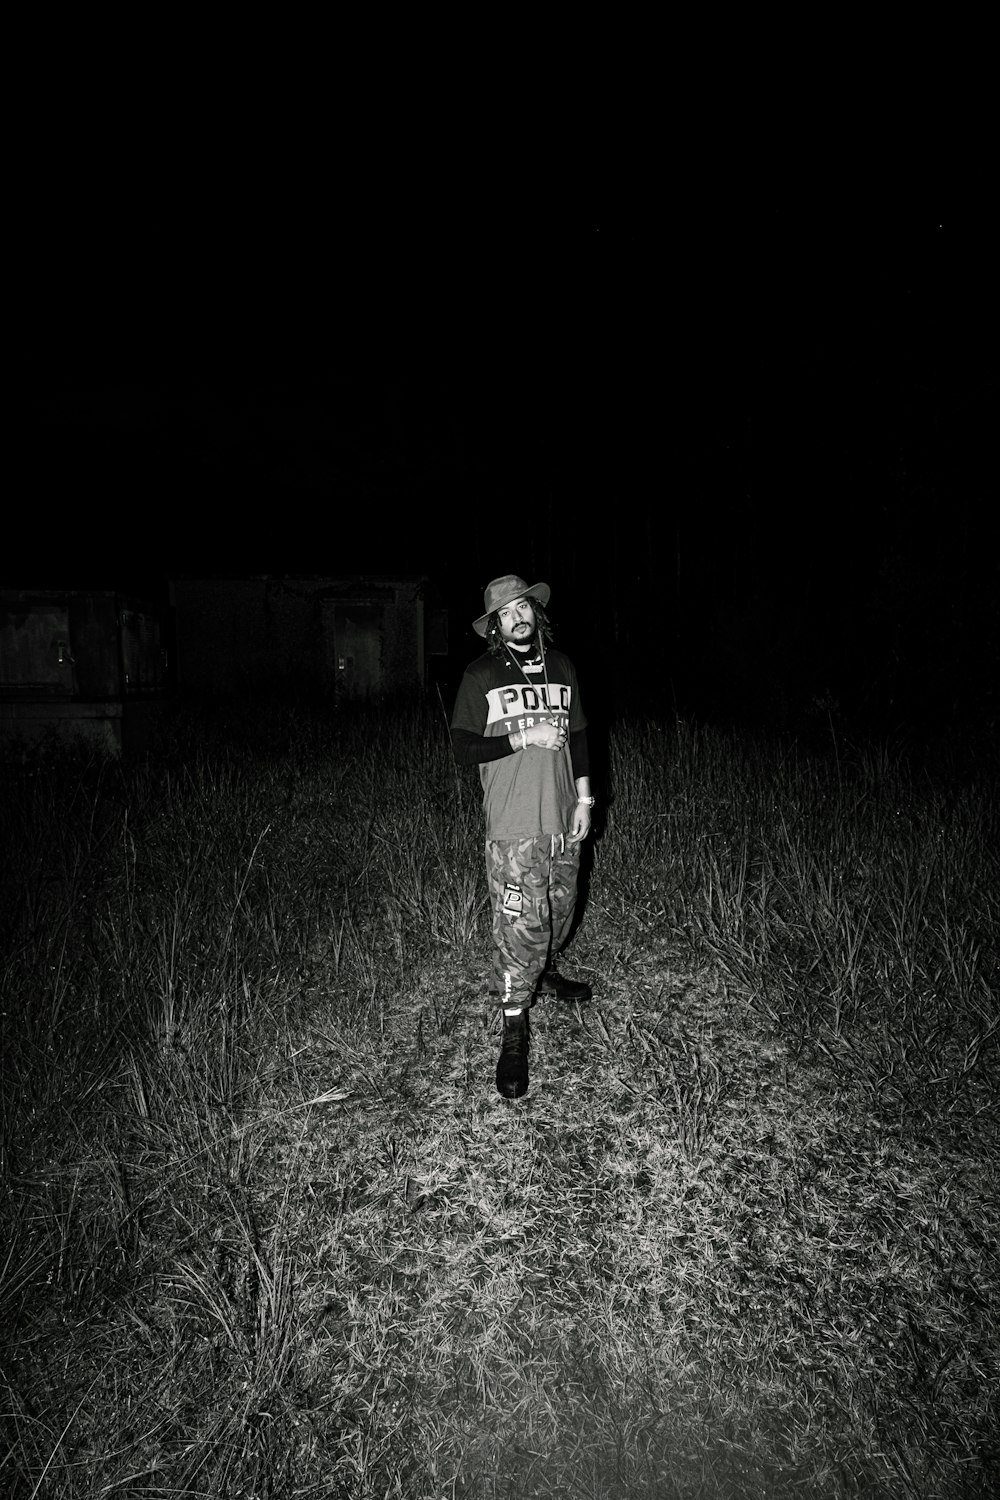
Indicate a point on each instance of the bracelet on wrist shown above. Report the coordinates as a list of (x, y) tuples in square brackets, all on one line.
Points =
[(587, 801)]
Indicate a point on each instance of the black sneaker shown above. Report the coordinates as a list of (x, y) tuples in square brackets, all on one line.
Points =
[(552, 986), (512, 1067)]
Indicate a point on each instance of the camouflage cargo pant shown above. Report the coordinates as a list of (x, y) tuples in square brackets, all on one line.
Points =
[(533, 893)]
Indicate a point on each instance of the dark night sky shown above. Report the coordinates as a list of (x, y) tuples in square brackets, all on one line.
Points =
[(700, 427)]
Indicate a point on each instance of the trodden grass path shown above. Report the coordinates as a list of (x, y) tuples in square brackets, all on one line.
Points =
[(685, 1264)]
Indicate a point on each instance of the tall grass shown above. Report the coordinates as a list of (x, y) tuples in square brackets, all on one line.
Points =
[(267, 1230)]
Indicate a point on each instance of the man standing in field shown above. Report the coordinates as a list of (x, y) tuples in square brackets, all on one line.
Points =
[(518, 717)]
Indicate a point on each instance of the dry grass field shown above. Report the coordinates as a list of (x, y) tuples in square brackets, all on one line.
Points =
[(268, 1230)]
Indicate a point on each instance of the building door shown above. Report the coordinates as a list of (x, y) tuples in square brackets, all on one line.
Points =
[(354, 636)]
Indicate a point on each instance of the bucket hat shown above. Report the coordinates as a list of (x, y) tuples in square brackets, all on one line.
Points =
[(504, 591)]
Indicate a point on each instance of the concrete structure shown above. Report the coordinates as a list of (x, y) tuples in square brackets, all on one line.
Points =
[(83, 665), (346, 638)]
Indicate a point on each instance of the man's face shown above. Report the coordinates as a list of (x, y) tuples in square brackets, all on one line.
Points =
[(517, 623)]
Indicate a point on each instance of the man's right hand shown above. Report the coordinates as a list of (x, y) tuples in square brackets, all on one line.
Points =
[(547, 736)]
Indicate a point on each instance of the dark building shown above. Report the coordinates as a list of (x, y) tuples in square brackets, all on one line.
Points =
[(84, 665), (346, 638)]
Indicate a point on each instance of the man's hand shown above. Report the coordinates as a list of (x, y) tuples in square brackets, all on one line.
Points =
[(581, 823), (547, 736)]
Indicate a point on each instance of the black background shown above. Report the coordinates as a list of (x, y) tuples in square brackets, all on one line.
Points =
[(749, 446)]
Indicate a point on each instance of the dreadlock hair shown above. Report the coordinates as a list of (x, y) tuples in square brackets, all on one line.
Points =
[(495, 642)]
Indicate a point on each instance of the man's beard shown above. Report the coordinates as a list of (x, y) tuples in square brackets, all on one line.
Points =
[(525, 638)]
